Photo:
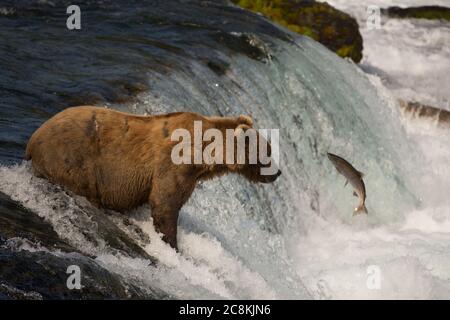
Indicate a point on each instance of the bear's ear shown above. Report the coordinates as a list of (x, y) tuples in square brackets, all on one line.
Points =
[(242, 119), (241, 129)]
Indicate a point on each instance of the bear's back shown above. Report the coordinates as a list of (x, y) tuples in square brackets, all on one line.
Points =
[(97, 153)]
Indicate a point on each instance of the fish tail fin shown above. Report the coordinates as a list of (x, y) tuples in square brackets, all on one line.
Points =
[(361, 209)]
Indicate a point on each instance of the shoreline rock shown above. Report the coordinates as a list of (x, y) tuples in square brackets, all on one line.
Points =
[(336, 30), (423, 12), (34, 260), (417, 110)]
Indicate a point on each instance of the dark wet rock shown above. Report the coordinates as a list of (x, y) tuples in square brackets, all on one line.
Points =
[(116, 238), (12, 293), (423, 12), (43, 275), (40, 273), (335, 29), (17, 221), (417, 110)]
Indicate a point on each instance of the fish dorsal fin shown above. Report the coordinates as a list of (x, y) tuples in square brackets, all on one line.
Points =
[(355, 194)]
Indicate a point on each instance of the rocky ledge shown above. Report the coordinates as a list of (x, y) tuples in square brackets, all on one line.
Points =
[(335, 29)]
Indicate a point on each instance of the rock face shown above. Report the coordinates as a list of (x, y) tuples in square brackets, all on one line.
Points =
[(335, 29), (425, 12), (19, 222), (417, 110), (42, 275), (38, 273)]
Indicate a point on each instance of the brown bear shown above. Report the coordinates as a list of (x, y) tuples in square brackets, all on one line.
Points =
[(120, 161)]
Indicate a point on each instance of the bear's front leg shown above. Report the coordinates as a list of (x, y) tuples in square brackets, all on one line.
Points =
[(168, 195), (165, 220)]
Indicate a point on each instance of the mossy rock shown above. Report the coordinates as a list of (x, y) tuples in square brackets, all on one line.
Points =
[(335, 29), (425, 12)]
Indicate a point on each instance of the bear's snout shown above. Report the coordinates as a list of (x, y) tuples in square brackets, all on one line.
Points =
[(269, 178)]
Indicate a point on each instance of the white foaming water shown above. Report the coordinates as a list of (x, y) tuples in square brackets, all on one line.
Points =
[(412, 56), (411, 256)]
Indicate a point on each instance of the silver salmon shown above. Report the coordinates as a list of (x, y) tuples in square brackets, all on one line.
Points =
[(354, 177)]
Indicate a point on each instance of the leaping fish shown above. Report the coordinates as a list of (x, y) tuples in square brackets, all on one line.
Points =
[(354, 177)]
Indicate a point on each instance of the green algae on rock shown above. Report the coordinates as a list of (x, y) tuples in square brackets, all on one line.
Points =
[(335, 29)]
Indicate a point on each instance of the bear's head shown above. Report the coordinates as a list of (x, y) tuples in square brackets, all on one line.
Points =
[(252, 154)]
